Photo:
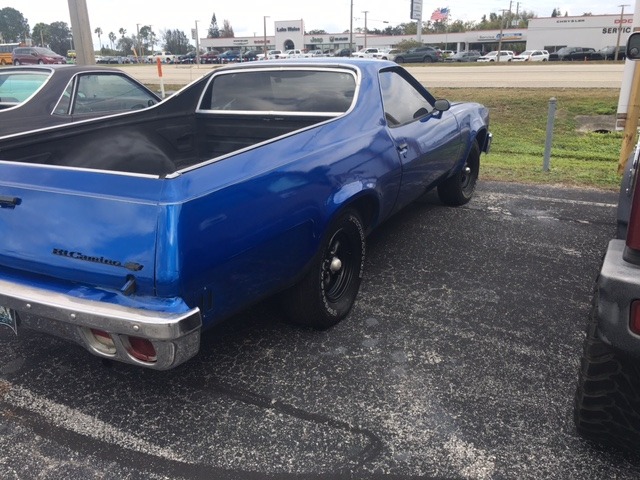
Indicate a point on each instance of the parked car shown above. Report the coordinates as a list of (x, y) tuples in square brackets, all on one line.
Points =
[(33, 97), (251, 55), (113, 60), (575, 53), (419, 54), (229, 56), (607, 405), (343, 52), (164, 56), (36, 55), (366, 53), (532, 56), (609, 53), (505, 56), (387, 54), (318, 53), (187, 58), (447, 53), (274, 54), (257, 179), (212, 56), (470, 56)]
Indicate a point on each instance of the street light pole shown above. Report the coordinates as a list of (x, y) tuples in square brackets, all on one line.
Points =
[(197, 45), (615, 57), (365, 27), (351, 28), (264, 32)]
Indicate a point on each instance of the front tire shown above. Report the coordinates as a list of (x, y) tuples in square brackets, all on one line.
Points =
[(458, 189), (327, 292), (607, 399)]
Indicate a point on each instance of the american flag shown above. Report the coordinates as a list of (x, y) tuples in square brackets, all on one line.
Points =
[(440, 14)]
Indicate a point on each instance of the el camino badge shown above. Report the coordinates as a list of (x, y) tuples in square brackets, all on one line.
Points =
[(9, 318), (133, 266)]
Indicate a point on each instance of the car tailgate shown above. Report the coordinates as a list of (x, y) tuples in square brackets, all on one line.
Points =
[(87, 227)]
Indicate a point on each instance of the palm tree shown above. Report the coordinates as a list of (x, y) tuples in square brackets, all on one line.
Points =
[(99, 32), (122, 31), (112, 38)]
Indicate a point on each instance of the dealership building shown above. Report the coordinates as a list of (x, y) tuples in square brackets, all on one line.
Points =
[(552, 33)]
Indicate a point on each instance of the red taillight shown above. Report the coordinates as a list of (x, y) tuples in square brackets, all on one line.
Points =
[(634, 320), (141, 349), (633, 230), (103, 341)]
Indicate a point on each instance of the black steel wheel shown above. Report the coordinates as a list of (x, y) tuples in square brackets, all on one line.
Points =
[(458, 189), (607, 399), (327, 292)]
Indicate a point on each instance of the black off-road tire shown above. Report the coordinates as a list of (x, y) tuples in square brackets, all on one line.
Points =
[(607, 400), (326, 293), (458, 189)]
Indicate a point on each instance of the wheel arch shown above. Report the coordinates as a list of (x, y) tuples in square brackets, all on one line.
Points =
[(366, 204)]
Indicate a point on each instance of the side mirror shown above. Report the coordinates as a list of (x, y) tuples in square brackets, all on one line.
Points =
[(442, 105), (633, 46)]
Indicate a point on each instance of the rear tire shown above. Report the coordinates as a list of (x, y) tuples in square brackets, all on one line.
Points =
[(458, 189), (607, 399), (427, 59), (399, 60), (327, 292)]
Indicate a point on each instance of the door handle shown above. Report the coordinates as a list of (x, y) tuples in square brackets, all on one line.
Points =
[(403, 148)]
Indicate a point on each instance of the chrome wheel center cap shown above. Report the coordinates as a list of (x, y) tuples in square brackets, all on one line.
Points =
[(336, 265)]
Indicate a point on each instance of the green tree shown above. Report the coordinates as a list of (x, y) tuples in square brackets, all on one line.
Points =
[(59, 35), (40, 34), (126, 44), (408, 44), (13, 26), (98, 31), (317, 32), (176, 42), (554, 13), (147, 38), (214, 31), (227, 30)]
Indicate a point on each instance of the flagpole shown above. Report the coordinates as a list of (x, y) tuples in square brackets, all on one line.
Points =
[(419, 29)]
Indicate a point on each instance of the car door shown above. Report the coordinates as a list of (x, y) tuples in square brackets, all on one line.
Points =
[(428, 142)]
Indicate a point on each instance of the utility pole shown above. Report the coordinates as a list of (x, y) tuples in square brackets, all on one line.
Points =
[(501, 25), (79, 16), (615, 57), (264, 32)]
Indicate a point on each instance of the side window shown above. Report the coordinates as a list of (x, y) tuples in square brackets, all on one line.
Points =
[(402, 102), (109, 93)]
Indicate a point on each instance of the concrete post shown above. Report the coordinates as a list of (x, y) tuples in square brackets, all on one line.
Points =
[(547, 146)]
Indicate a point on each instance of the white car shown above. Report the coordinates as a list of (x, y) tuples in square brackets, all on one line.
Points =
[(505, 56), (366, 53), (274, 54), (387, 54), (532, 56)]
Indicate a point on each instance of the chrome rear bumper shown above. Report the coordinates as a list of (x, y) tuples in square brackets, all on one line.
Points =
[(175, 336)]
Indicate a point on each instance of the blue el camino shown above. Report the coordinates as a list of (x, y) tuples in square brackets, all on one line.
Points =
[(131, 233)]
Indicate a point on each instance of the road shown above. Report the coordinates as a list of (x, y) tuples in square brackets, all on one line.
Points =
[(459, 360), (539, 75)]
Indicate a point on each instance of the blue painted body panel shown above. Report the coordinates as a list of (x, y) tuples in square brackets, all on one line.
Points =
[(228, 232)]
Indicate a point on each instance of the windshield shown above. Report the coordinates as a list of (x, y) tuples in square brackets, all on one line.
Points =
[(527, 52), (45, 51)]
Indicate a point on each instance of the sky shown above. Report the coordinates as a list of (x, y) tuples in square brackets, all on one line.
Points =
[(247, 16)]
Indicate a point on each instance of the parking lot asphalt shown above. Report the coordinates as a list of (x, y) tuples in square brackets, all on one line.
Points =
[(459, 360)]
